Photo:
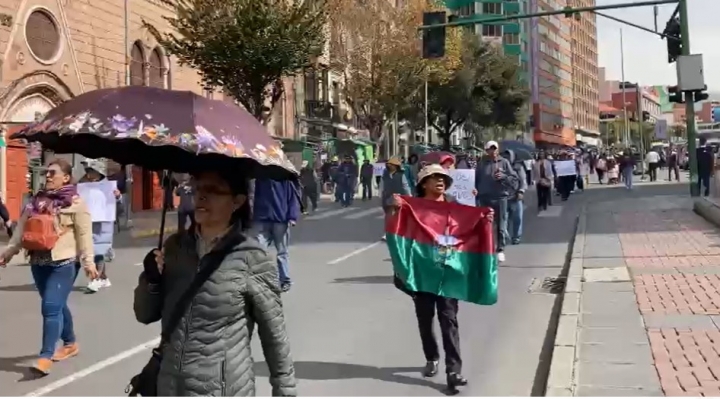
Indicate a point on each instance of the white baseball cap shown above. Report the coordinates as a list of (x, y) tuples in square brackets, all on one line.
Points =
[(492, 143)]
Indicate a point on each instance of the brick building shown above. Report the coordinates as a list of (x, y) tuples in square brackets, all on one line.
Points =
[(53, 50)]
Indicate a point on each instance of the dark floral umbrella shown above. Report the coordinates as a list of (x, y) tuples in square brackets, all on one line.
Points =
[(161, 129)]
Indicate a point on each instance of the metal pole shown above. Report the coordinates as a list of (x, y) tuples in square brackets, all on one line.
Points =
[(641, 127), (427, 124), (626, 131), (689, 102), (128, 168)]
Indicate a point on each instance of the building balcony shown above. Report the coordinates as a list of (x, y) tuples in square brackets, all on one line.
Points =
[(315, 109)]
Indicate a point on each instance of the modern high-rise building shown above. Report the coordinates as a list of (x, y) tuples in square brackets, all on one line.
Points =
[(506, 33), (583, 34)]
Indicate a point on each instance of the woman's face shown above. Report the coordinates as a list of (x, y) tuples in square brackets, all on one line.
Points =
[(55, 177), (434, 184), (214, 201), (392, 168), (413, 159), (92, 174)]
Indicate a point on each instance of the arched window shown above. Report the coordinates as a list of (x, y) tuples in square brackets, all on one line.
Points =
[(137, 72), (157, 78)]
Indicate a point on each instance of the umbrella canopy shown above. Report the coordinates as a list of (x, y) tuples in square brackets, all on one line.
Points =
[(436, 157), (516, 145), (161, 129), (522, 155)]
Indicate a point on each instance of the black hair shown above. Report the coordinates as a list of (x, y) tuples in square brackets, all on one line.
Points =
[(239, 185), (703, 140)]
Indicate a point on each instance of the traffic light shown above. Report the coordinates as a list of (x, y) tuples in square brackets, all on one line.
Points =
[(434, 38), (645, 116), (675, 95), (700, 95), (673, 38)]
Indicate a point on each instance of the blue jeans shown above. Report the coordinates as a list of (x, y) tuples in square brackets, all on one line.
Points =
[(277, 234), (54, 284), (347, 194), (628, 175), (515, 218), (704, 181), (500, 207)]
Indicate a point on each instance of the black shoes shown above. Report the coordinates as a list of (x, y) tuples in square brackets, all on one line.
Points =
[(455, 380), (431, 369)]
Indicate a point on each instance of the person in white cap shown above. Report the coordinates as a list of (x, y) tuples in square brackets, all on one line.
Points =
[(495, 182), (102, 231)]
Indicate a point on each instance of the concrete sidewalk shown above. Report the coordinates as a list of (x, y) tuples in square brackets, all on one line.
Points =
[(641, 311)]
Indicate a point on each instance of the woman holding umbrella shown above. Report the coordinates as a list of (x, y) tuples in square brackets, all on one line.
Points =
[(208, 287)]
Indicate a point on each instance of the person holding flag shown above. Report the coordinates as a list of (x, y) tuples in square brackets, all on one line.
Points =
[(418, 239)]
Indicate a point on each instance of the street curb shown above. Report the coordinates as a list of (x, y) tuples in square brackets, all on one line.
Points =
[(562, 376), (708, 210)]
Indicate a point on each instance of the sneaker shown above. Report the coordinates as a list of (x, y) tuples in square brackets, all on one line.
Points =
[(515, 241), (42, 367), (105, 283), (501, 256), (285, 287), (110, 255), (383, 238), (431, 368), (94, 286), (65, 352), (305, 213)]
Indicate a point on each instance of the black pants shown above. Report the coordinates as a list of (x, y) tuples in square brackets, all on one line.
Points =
[(366, 189), (183, 218), (600, 175), (652, 170), (675, 169), (447, 309), (312, 196), (528, 177), (566, 184), (704, 181), (543, 195)]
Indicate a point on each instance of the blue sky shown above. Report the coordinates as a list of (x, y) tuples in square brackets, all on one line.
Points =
[(646, 54)]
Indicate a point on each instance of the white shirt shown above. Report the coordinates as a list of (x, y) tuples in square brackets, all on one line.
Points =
[(652, 157)]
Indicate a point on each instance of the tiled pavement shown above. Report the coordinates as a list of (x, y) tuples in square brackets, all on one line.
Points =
[(658, 329)]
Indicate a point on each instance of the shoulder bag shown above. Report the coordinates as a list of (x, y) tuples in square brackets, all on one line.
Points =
[(145, 383)]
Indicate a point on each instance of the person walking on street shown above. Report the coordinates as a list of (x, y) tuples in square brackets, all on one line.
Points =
[(310, 187), (706, 165), (544, 176), (627, 167), (673, 165), (276, 208), (208, 331), (516, 207), (103, 231), (653, 160), (433, 181), (393, 182), (366, 174), (347, 181), (54, 257), (495, 182), (186, 208), (601, 168)]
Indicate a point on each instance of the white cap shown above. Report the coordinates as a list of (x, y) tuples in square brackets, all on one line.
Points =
[(492, 143), (98, 165)]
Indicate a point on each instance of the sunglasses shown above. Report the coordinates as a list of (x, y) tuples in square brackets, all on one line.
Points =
[(51, 173)]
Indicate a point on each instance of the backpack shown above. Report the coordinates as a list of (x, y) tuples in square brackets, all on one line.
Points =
[(39, 233)]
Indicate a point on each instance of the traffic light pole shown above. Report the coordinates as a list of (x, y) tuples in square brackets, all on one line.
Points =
[(689, 103)]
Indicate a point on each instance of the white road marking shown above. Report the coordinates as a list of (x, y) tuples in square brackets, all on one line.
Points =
[(364, 213), (95, 368), (353, 253), (328, 214)]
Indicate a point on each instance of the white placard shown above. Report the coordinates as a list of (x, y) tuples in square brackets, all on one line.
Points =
[(565, 168), (100, 199), (463, 186), (378, 169)]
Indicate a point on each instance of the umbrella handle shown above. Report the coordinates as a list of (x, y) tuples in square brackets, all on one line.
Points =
[(163, 215)]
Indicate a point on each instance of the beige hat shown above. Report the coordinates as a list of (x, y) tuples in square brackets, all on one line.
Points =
[(394, 161), (434, 169)]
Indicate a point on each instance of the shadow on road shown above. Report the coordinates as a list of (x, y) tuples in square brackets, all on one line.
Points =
[(365, 280), (18, 365), (323, 371)]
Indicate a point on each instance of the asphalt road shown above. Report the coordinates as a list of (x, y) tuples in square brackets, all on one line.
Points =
[(352, 332)]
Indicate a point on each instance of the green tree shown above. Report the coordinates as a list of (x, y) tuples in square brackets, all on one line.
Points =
[(484, 92), (246, 47)]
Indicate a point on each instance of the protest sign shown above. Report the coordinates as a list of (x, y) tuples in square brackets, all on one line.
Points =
[(378, 169), (463, 186), (565, 168), (100, 199)]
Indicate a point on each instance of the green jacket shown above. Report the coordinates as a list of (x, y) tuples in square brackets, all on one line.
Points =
[(209, 352)]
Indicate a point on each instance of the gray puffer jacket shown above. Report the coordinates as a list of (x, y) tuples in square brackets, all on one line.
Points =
[(208, 354)]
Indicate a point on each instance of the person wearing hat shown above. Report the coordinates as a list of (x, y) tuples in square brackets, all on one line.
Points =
[(433, 182), (394, 181), (102, 231), (495, 182)]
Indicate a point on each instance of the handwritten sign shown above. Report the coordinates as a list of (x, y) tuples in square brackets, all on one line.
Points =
[(378, 169), (565, 168), (100, 199), (463, 186)]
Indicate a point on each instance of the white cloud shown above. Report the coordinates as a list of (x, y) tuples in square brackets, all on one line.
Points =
[(646, 54)]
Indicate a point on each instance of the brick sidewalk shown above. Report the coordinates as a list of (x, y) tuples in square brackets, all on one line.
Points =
[(673, 259)]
